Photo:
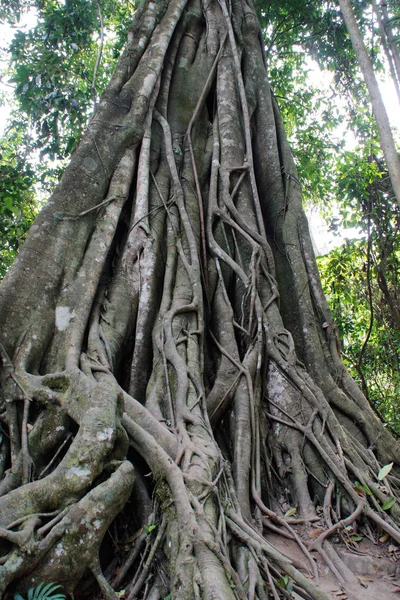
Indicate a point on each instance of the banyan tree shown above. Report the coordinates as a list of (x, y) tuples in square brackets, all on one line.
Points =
[(173, 401)]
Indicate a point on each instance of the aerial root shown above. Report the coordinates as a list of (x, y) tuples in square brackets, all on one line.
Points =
[(106, 589), (229, 253), (253, 539), (77, 531), (147, 561), (291, 531)]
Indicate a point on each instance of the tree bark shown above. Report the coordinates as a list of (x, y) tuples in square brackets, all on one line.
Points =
[(385, 133), (171, 377), (394, 47), (391, 57)]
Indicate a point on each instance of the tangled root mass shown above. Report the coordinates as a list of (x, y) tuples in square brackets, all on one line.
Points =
[(172, 388)]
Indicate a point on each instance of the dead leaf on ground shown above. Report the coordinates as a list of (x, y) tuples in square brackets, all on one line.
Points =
[(315, 533), (340, 593), (364, 580)]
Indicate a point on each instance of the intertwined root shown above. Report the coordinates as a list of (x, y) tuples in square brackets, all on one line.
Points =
[(188, 335)]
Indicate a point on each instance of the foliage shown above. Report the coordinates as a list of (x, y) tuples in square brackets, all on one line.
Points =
[(368, 202), (344, 278), (11, 10), (43, 592), (53, 67), (17, 198), (361, 279)]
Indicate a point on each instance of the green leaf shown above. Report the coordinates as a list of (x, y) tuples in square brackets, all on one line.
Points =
[(149, 528), (290, 512), (388, 504), (355, 538), (358, 487), (49, 589), (40, 591), (285, 582), (22, 74), (44, 591), (35, 593), (8, 201), (366, 489), (385, 471)]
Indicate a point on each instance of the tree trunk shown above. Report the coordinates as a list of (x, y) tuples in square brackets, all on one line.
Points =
[(385, 133), (393, 43), (171, 379), (390, 57), (390, 295)]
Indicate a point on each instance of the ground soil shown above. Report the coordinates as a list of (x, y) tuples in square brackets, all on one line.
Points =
[(375, 567)]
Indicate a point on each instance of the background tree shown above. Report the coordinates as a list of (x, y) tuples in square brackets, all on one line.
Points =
[(385, 134), (165, 319), (389, 45), (361, 279)]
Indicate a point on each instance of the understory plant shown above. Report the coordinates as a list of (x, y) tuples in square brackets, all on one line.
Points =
[(44, 591)]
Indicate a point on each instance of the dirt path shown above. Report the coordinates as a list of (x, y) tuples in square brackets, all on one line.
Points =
[(372, 571)]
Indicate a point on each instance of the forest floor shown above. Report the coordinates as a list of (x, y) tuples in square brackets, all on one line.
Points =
[(374, 568)]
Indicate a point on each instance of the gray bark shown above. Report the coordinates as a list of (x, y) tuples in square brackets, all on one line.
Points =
[(385, 133), (392, 58), (393, 43)]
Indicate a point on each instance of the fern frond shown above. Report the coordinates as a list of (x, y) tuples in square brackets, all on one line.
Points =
[(43, 591)]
